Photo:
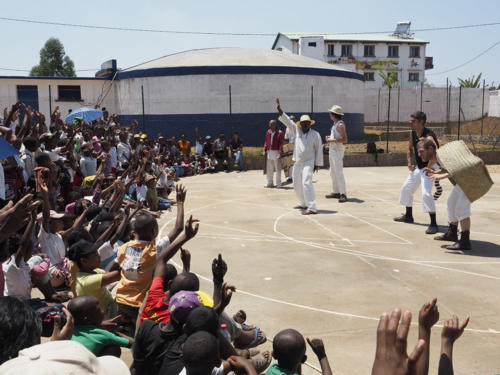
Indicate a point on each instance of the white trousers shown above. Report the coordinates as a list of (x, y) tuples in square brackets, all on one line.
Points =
[(458, 205), (411, 185), (273, 165), (302, 183), (336, 157)]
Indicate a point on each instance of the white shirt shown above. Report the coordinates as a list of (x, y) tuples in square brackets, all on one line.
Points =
[(88, 166), (123, 152), (17, 279), (289, 136), (113, 157), (199, 148), (52, 245), (28, 158), (308, 146), (335, 134), (2, 183)]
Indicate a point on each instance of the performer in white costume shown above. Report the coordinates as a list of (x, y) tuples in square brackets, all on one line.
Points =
[(336, 140), (308, 157)]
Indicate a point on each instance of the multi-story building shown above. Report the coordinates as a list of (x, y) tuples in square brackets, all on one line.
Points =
[(374, 55)]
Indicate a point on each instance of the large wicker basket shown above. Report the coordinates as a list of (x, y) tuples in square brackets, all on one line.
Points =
[(466, 169)]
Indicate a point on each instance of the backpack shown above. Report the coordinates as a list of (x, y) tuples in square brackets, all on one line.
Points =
[(371, 148)]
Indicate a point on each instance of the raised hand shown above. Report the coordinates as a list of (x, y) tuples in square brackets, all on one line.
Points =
[(219, 269), (111, 322), (186, 259), (317, 347), (452, 329), (66, 332), (191, 229), (180, 191), (428, 315), (391, 356), (278, 106)]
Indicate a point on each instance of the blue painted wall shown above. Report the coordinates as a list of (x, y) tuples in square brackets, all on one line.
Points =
[(250, 126)]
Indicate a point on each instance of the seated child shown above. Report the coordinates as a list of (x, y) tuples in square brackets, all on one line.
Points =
[(91, 280), (88, 319), (289, 349)]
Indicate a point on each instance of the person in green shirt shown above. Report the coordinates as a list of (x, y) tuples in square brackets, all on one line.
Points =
[(89, 324), (289, 349), (91, 280)]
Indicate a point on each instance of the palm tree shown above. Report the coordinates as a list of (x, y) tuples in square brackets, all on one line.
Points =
[(471, 82), (390, 79)]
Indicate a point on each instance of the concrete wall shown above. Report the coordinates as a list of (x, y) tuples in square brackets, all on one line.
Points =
[(434, 104), (91, 90), (175, 104), (316, 50), (494, 107)]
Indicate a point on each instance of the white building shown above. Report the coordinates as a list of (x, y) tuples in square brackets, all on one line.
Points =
[(369, 54)]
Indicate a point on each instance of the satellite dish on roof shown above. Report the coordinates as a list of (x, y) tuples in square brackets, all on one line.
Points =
[(403, 28)]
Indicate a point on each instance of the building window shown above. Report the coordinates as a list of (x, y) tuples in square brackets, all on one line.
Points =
[(393, 51), (369, 76), (331, 50), (346, 50), (68, 93), (414, 77), (311, 44), (414, 51), (369, 51)]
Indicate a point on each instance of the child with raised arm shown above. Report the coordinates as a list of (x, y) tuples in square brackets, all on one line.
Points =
[(138, 258), (289, 349)]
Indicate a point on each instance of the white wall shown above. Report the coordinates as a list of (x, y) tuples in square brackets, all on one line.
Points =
[(494, 108), (90, 92), (434, 104), (250, 94), (316, 52)]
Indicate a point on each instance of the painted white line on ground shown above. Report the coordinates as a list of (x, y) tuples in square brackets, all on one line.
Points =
[(337, 313), (379, 228), (329, 230), (368, 255)]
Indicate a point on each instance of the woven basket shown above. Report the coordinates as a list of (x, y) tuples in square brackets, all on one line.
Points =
[(466, 169)]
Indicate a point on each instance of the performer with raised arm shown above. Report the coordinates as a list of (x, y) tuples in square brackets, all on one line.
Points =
[(308, 157)]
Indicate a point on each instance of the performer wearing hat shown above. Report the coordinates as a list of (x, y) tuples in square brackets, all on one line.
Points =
[(336, 140), (417, 175), (308, 157)]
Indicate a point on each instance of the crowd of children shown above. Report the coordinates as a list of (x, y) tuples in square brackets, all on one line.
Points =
[(79, 222)]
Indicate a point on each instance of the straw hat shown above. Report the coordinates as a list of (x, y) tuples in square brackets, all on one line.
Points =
[(466, 169), (305, 118), (337, 110)]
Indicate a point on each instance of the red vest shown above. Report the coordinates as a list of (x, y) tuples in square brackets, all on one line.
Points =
[(277, 140)]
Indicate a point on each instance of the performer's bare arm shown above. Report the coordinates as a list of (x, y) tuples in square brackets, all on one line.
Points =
[(411, 167), (343, 134)]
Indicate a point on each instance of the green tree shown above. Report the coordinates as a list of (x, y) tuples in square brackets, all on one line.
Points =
[(53, 61), (390, 79), (471, 82)]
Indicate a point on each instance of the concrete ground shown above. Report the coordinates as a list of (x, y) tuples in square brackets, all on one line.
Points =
[(331, 275)]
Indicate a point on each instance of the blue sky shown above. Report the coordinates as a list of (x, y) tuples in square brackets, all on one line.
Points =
[(21, 42)]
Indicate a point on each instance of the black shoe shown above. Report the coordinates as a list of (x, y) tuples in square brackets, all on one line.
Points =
[(404, 219), (333, 195), (432, 229), (342, 198), (450, 235), (460, 245)]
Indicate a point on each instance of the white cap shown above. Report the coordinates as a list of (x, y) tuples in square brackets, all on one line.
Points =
[(62, 357)]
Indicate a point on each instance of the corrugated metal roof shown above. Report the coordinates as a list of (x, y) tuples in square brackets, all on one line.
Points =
[(366, 38)]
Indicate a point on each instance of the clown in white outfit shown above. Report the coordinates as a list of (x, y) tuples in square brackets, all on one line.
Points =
[(308, 157), (336, 140)]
